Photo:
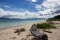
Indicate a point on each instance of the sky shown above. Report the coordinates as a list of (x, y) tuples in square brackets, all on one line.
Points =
[(29, 8)]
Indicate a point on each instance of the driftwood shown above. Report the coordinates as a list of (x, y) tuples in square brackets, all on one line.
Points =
[(19, 30), (35, 33), (47, 31)]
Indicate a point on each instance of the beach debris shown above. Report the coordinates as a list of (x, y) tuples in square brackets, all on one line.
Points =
[(37, 34), (51, 22), (29, 35), (12, 37), (19, 30), (35, 38), (47, 31)]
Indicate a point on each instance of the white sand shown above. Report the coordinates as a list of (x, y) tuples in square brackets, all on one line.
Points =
[(8, 34)]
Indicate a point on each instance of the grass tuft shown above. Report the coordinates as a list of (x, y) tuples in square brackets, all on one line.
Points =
[(45, 26)]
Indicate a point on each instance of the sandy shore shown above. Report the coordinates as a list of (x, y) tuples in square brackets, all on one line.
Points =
[(8, 33)]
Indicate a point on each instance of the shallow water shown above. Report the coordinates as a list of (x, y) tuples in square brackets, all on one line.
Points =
[(15, 22)]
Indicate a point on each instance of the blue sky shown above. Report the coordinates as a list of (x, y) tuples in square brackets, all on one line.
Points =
[(29, 8), (17, 5)]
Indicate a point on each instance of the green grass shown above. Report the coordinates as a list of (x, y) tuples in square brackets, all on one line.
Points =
[(45, 26)]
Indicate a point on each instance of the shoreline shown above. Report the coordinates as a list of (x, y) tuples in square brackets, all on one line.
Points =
[(8, 33), (21, 25)]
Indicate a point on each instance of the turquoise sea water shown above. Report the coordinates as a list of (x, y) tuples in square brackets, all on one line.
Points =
[(15, 22)]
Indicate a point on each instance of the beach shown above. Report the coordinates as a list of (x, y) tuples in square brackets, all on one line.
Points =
[(8, 33), (29, 19)]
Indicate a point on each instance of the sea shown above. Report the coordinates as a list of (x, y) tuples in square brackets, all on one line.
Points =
[(6, 22)]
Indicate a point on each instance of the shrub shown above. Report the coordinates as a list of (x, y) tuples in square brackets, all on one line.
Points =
[(45, 26)]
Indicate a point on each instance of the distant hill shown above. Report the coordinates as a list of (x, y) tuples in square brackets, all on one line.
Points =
[(22, 19), (56, 18), (18, 19)]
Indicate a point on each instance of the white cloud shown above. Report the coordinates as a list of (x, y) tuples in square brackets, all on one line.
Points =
[(32, 0), (49, 6), (23, 15), (6, 6), (2, 13)]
